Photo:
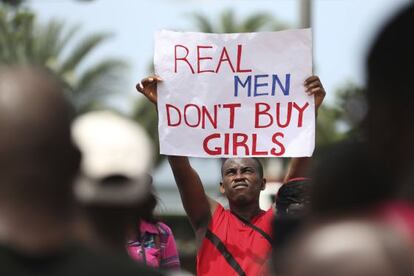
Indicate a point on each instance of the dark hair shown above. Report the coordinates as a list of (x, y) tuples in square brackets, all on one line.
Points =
[(147, 208), (287, 223), (295, 191), (259, 166), (391, 58), (348, 179)]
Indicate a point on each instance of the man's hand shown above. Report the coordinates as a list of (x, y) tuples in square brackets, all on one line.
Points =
[(148, 87), (298, 166), (314, 87)]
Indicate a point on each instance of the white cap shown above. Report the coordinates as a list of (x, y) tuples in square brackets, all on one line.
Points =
[(112, 145)]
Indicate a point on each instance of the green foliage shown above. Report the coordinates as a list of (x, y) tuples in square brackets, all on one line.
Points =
[(13, 3), (352, 107), (145, 114), (228, 23), (58, 48), (327, 130), (342, 120)]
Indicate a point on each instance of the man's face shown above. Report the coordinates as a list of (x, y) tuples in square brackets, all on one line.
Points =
[(241, 180)]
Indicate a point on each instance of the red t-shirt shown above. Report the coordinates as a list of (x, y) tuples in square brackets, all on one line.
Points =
[(248, 247)]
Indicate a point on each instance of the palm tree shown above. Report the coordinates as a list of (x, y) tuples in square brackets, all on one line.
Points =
[(52, 45), (144, 112), (228, 23)]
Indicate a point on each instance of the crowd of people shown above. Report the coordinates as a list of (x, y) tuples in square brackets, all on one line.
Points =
[(351, 213)]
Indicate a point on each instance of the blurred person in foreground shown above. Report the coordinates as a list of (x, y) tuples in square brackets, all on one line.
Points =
[(389, 122), (236, 240), (292, 211), (390, 96), (347, 181), (115, 191), (375, 177), (369, 181), (38, 163), (348, 247), (344, 234)]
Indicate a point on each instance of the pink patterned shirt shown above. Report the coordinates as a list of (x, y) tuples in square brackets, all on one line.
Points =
[(159, 246)]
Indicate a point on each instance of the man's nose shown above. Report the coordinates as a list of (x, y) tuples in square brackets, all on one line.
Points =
[(239, 176)]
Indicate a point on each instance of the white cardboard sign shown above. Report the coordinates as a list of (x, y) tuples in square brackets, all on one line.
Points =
[(226, 95)]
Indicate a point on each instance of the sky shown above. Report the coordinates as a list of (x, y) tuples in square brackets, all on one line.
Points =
[(342, 31)]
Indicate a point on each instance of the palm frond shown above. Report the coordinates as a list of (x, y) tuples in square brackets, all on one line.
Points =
[(81, 51), (228, 22), (256, 22), (7, 38), (202, 23), (66, 36), (279, 25), (98, 76), (4, 37), (47, 41), (24, 40), (97, 83)]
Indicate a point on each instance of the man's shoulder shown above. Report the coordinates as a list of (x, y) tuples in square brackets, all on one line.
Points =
[(107, 263), (73, 260)]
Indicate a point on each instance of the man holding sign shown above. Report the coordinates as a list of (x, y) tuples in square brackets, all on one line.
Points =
[(235, 241)]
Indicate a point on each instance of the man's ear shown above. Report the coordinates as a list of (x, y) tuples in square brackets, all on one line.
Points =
[(263, 186), (222, 188)]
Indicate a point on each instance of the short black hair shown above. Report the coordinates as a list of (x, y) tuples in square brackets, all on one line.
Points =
[(291, 192), (259, 166)]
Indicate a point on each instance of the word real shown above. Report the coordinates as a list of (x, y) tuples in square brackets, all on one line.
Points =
[(204, 63)]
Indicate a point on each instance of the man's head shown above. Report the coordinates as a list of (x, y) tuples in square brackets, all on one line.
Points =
[(347, 180), (390, 91), (113, 189), (293, 197), (242, 180), (347, 247), (37, 157)]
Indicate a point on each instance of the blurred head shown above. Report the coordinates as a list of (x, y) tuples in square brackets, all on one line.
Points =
[(348, 247), (390, 91), (293, 197), (37, 158), (114, 189), (117, 157), (347, 180), (292, 205), (242, 180), (111, 208)]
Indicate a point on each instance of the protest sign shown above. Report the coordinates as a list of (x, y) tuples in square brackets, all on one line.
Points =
[(226, 95)]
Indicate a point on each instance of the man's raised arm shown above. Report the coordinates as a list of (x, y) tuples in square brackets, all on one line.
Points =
[(198, 206), (298, 166)]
